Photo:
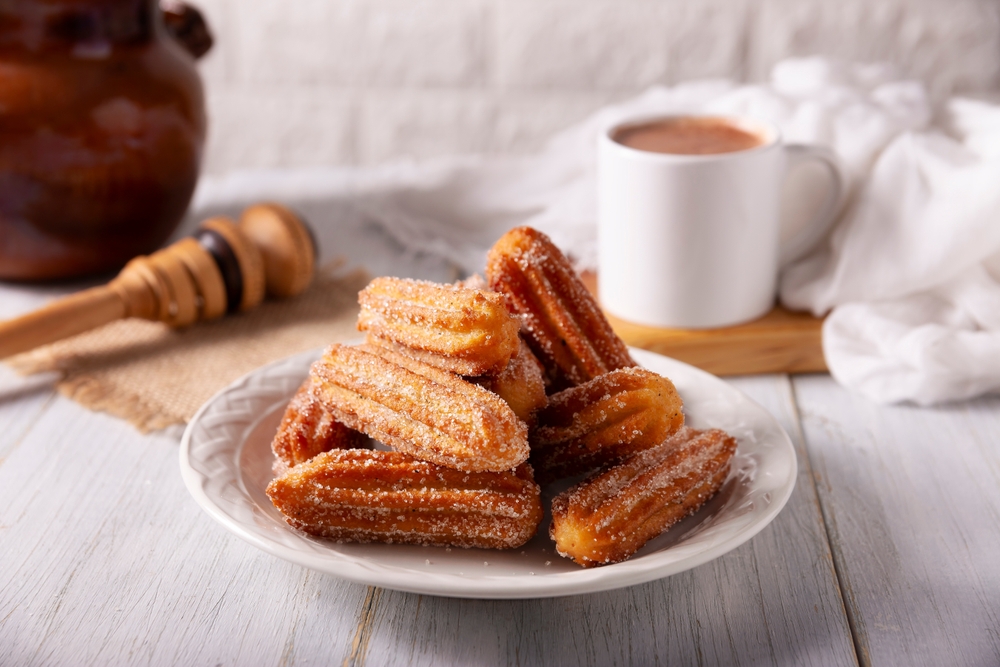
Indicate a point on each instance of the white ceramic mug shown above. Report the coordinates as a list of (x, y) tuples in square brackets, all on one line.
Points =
[(692, 241)]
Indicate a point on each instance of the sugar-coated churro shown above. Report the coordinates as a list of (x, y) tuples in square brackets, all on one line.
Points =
[(559, 318), (602, 421), (307, 429), (608, 517), (376, 496), (462, 330), (418, 409), (520, 384)]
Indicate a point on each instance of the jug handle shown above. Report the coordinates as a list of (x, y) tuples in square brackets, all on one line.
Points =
[(187, 25)]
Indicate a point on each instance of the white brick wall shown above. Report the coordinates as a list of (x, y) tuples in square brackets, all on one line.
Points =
[(307, 82), (953, 45)]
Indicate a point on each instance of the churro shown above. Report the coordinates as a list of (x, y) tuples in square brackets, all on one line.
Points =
[(602, 421), (520, 384), (375, 496), (608, 517), (308, 429), (559, 318), (462, 330), (419, 409)]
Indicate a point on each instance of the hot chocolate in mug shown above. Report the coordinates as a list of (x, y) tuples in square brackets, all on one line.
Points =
[(689, 218)]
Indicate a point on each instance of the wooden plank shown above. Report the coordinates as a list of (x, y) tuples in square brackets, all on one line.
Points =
[(911, 497), (774, 600), (780, 342), (107, 560), (22, 404)]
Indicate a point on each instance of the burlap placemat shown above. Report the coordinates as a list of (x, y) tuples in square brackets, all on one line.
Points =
[(156, 377)]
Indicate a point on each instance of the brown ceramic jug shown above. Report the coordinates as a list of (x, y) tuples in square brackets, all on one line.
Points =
[(102, 124)]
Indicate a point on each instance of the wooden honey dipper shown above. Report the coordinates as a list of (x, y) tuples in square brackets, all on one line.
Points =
[(225, 267)]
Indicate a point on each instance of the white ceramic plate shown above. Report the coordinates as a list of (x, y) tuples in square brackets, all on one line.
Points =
[(226, 464)]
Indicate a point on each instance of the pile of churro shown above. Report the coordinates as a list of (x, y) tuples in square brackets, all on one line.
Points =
[(483, 390)]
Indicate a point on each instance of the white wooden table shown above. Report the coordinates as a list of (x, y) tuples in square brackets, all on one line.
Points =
[(888, 553)]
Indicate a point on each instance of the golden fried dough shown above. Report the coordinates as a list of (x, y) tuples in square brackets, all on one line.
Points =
[(374, 496), (520, 384), (465, 331), (559, 318), (602, 421), (431, 414), (608, 517), (307, 429)]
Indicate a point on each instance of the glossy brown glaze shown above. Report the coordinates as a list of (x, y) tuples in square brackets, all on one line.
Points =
[(102, 130)]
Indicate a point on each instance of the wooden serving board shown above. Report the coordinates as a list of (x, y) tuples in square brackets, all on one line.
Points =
[(780, 342)]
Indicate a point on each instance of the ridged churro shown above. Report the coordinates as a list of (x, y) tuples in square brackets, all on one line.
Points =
[(375, 496), (559, 318), (418, 409), (308, 429), (462, 330), (602, 421), (520, 384), (608, 517)]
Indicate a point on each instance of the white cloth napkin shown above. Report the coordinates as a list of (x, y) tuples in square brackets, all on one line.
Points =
[(909, 273), (912, 272)]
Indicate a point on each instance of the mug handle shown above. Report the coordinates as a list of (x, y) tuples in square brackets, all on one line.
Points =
[(802, 242)]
